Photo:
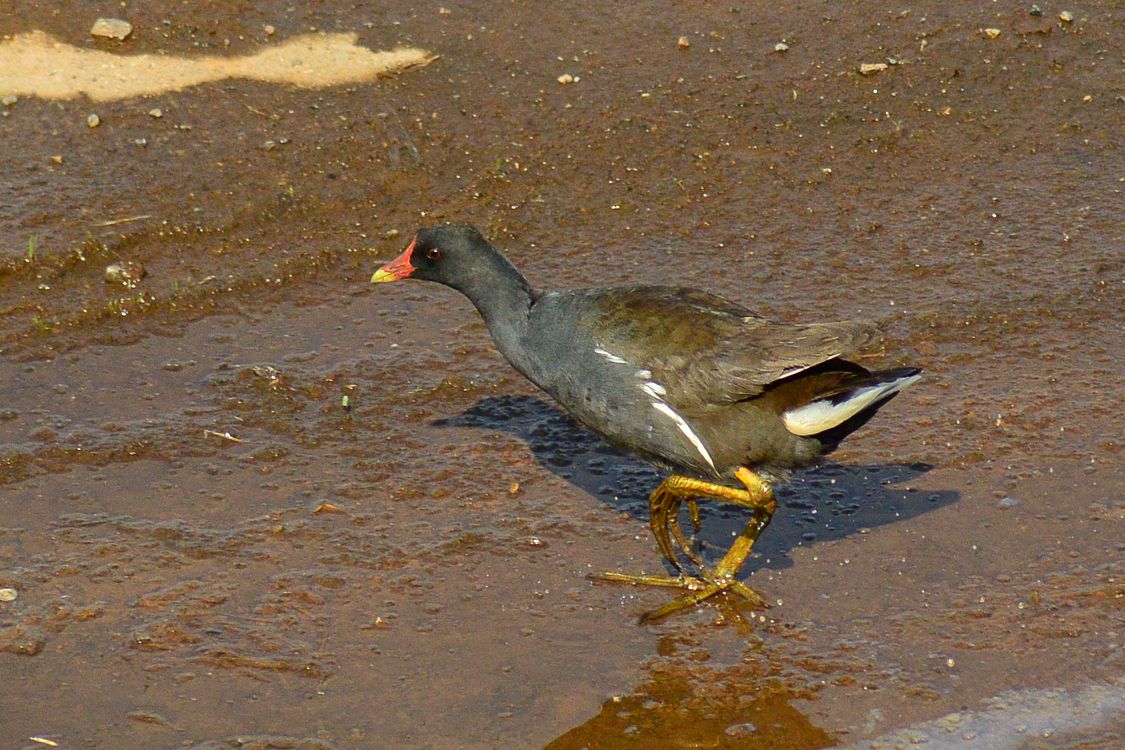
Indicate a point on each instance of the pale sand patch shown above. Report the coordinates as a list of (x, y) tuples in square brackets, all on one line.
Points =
[(1016, 720), (36, 64)]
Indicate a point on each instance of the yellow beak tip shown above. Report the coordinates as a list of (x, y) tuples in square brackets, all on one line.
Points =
[(381, 276)]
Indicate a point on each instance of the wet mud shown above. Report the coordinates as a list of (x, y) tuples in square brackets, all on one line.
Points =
[(249, 501)]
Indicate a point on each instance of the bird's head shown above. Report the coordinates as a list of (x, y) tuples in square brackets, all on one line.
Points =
[(448, 254)]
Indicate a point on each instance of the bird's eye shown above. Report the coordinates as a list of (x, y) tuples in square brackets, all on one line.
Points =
[(433, 254)]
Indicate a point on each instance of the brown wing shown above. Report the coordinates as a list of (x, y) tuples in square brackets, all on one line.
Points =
[(704, 349)]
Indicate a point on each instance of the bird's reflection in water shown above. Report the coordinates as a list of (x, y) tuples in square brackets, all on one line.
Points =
[(682, 704)]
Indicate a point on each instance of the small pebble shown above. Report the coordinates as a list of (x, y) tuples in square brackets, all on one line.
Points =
[(741, 730), (8, 595), (93, 120), (111, 28), (9, 100), (1066, 16), (269, 29), (683, 42), (1008, 502), (991, 33), (868, 69), (1035, 11), (566, 78), (781, 47), (156, 113), (127, 272)]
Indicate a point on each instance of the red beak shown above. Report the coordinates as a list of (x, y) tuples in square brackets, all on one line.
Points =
[(399, 268)]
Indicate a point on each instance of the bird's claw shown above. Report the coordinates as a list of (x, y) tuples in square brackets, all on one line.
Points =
[(698, 589), (664, 520)]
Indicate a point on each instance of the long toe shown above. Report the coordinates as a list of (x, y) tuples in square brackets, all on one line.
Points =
[(754, 599), (673, 582), (684, 602)]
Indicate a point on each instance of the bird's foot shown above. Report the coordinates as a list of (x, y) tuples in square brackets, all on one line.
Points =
[(664, 519), (698, 589)]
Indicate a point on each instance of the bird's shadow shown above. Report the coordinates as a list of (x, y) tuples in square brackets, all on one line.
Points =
[(829, 501)]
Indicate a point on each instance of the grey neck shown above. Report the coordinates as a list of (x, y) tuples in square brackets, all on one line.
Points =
[(503, 297)]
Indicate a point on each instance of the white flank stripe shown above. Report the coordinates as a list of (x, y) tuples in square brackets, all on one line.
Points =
[(643, 374), (610, 356), (819, 416), (666, 410), (655, 390), (792, 371)]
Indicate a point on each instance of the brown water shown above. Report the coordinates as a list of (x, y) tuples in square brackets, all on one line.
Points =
[(209, 551)]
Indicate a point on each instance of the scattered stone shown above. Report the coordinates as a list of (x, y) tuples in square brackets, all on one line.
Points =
[(444, 11), (683, 42), (155, 113), (1008, 502), (390, 234), (127, 272), (8, 595), (781, 47), (991, 33), (150, 717), (741, 730), (111, 28), (566, 78), (16, 640), (1066, 16), (93, 120), (869, 69), (9, 100), (269, 29), (1035, 11)]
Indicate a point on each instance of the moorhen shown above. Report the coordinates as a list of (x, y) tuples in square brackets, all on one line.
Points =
[(727, 401)]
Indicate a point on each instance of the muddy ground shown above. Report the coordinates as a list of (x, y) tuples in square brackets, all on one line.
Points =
[(208, 550)]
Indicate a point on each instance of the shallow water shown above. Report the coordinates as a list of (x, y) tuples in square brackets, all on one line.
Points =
[(208, 550)]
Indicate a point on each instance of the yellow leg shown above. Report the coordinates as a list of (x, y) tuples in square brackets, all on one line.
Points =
[(664, 505)]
